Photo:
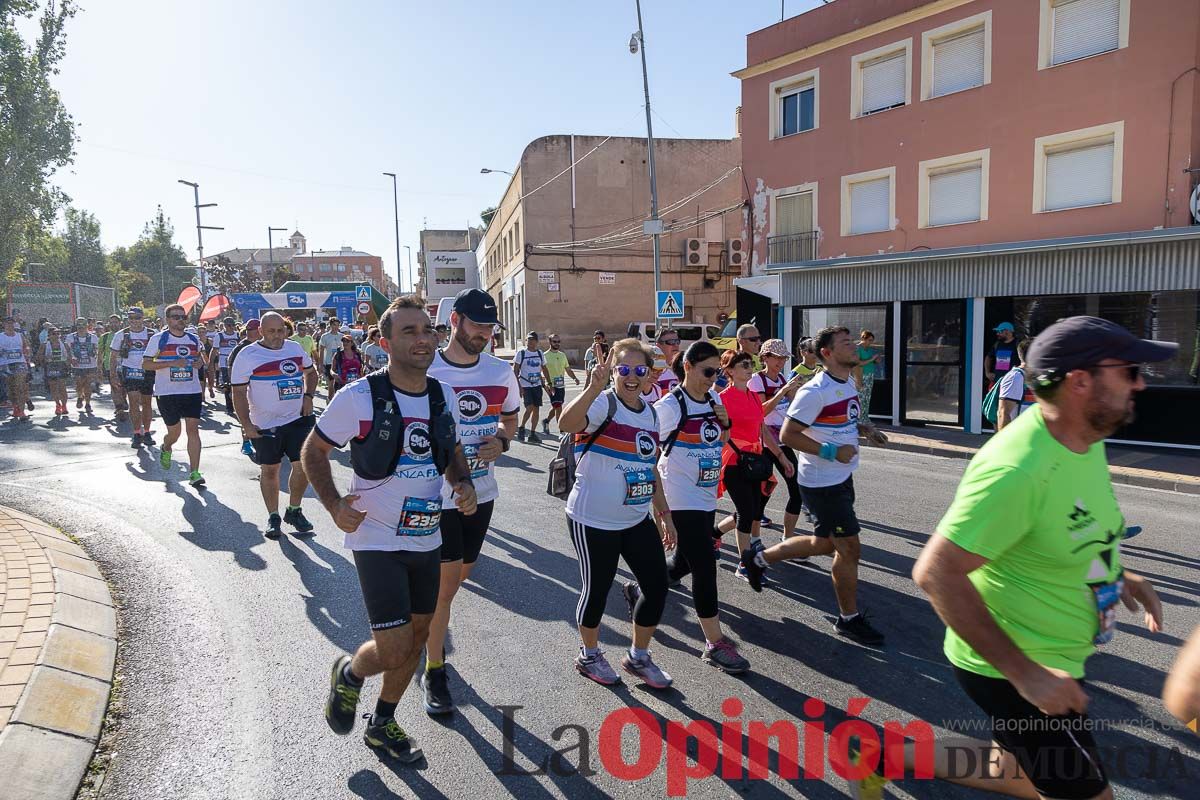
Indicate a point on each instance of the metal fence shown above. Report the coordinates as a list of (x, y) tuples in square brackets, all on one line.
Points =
[(792, 247)]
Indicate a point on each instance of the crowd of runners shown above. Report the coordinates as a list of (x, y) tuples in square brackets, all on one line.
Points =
[(1024, 568)]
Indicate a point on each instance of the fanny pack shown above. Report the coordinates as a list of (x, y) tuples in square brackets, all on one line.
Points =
[(754, 467)]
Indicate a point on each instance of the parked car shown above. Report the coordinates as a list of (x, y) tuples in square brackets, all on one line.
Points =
[(688, 332)]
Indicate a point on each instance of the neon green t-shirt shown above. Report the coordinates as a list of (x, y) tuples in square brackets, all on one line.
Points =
[(1048, 522), (306, 343), (556, 364)]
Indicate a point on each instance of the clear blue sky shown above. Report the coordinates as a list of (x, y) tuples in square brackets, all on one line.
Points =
[(286, 113)]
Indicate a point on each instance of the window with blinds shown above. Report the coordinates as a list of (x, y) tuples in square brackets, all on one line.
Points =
[(956, 194), (1082, 28), (1079, 175), (883, 82), (870, 205), (793, 214), (957, 62)]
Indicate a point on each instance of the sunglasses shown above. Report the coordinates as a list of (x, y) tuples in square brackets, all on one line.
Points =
[(709, 372), (670, 341), (555, 341), (176, 316), (624, 369), (1134, 370), (746, 364)]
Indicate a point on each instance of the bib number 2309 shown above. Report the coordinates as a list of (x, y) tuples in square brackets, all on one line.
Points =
[(419, 517), (639, 487)]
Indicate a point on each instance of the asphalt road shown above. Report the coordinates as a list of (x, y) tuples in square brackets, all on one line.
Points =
[(227, 637)]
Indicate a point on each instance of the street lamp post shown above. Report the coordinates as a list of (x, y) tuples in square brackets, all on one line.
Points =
[(409, 249), (638, 43), (486, 171), (200, 237), (271, 252), (396, 211)]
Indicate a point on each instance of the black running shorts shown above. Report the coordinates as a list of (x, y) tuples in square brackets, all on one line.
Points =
[(532, 396), (174, 407), (275, 443), (833, 507), (1058, 754), (396, 584), (557, 396), (462, 535), (143, 386)]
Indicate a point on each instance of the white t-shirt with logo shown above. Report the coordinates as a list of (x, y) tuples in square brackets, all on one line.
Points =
[(137, 347), (377, 357), (403, 510), (485, 391), (224, 342), (12, 349), (179, 378), (275, 381), (692, 470), (529, 363), (84, 349), (614, 480), (332, 342), (830, 409), (763, 385)]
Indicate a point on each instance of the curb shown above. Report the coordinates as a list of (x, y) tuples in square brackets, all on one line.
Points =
[(48, 742), (1131, 476)]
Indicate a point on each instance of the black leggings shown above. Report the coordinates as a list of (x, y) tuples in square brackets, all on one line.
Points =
[(795, 503), (694, 555), (599, 550), (747, 497)]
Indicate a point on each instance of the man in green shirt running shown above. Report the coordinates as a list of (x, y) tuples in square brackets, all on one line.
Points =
[(557, 367), (1025, 567)]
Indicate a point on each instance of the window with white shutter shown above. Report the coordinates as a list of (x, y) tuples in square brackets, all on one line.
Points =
[(793, 214), (870, 205), (958, 62), (1082, 28), (956, 194), (884, 82), (1079, 174)]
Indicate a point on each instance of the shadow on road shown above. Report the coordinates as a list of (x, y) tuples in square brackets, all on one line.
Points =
[(332, 604)]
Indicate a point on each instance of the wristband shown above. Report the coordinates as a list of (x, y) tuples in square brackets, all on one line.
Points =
[(828, 451), (310, 395)]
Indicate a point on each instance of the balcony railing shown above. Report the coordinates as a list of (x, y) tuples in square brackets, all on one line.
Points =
[(792, 247)]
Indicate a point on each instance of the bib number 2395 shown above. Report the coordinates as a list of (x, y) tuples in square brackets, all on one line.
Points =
[(419, 517), (639, 487)]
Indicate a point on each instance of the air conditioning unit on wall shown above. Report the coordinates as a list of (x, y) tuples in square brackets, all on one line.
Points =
[(736, 255), (695, 253)]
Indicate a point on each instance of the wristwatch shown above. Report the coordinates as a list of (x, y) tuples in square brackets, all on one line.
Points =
[(311, 395)]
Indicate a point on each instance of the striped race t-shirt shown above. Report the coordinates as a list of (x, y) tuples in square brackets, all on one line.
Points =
[(830, 409), (614, 480)]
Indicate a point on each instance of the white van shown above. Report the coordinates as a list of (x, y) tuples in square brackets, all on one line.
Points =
[(688, 332)]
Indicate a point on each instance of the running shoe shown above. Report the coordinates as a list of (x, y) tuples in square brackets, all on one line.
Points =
[(164, 458), (533, 438), (136, 441), (196, 479), (546, 428), (274, 527), (148, 437), (631, 592), (78, 402), (87, 408), (343, 698), (388, 738), (596, 668), (521, 433), (295, 517), (725, 657), (436, 684), (247, 448), (765, 520), (858, 629), (750, 571), (645, 669), (870, 787)]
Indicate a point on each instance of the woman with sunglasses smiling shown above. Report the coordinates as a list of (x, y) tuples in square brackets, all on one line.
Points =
[(748, 433), (608, 510)]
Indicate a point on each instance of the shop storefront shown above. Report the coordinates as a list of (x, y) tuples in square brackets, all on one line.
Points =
[(933, 314)]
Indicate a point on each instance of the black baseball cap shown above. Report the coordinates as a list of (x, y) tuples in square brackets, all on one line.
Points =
[(531, 335), (477, 306), (1080, 342)]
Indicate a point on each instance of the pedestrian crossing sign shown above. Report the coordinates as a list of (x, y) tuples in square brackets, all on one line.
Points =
[(670, 304), (362, 293)]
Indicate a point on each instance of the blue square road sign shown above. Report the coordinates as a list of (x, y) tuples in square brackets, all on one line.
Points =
[(669, 304)]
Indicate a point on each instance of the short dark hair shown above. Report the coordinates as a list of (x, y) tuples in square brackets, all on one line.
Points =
[(1023, 347), (731, 358), (697, 351), (824, 337), (400, 303)]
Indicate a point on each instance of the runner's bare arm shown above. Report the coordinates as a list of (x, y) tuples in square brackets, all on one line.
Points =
[(315, 458), (574, 414), (1181, 695), (458, 474), (942, 573), (793, 435), (241, 406)]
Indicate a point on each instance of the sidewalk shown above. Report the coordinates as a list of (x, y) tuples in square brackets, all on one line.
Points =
[(57, 652), (1156, 467)]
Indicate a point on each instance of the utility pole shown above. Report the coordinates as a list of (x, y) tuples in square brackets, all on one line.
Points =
[(200, 238), (654, 226), (396, 210), (271, 251), (409, 249)]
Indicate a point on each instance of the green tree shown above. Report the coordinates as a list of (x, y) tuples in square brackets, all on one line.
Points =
[(282, 275), (37, 135), (86, 259), (487, 214), (145, 272)]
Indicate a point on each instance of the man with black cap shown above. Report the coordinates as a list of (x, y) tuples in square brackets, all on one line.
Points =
[(1025, 567), (529, 365), (488, 401)]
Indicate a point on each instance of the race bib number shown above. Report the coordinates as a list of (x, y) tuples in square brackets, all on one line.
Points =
[(134, 374), (1107, 595), (639, 487), (351, 375), (13, 355), (709, 473), (290, 388), (55, 373), (560, 382), (478, 469), (181, 374), (419, 517)]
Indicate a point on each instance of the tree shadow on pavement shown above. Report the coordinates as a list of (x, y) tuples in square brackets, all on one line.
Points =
[(332, 604)]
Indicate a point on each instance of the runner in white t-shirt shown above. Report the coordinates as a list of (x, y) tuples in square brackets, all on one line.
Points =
[(83, 348), (823, 425), (391, 525), (174, 356), (273, 388), (776, 391), (608, 510), (529, 364), (488, 401), (327, 345), (127, 348), (1016, 394), (14, 367)]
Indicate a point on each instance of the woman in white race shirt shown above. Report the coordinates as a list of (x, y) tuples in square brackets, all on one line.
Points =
[(608, 510), (776, 392)]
